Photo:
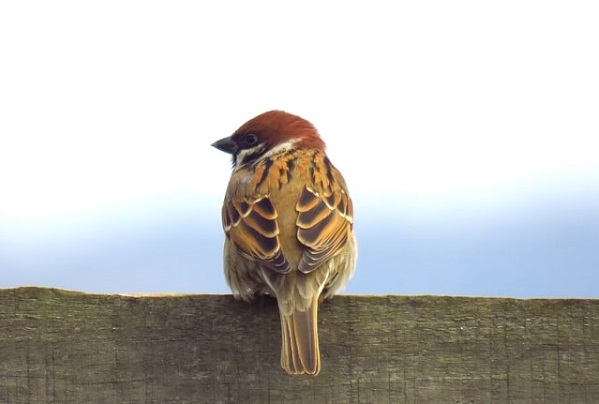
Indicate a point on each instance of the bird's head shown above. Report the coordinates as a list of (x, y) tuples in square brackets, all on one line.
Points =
[(268, 134)]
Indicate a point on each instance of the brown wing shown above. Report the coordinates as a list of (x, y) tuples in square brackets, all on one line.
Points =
[(324, 224), (250, 223)]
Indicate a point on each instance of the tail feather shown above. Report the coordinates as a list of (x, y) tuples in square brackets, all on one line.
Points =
[(300, 353)]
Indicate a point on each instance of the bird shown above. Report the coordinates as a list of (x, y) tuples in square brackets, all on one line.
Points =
[(288, 223)]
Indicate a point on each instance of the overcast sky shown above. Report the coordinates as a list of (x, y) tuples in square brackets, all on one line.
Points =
[(467, 132)]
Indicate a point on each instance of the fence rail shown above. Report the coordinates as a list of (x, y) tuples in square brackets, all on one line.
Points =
[(69, 347)]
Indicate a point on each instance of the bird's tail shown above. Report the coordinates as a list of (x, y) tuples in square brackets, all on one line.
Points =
[(299, 351)]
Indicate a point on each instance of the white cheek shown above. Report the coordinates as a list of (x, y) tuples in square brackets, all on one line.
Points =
[(239, 160), (288, 145)]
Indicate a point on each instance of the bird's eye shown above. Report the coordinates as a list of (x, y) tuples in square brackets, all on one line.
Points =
[(250, 139)]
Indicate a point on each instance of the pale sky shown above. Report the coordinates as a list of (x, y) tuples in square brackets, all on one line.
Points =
[(440, 108)]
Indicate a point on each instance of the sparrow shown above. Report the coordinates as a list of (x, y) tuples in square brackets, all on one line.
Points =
[(288, 222)]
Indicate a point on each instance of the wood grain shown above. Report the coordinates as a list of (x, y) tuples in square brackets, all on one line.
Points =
[(69, 347)]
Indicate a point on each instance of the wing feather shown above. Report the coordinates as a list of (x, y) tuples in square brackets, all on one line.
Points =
[(324, 222), (250, 223)]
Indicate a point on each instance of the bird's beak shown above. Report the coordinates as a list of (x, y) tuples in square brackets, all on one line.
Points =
[(226, 144)]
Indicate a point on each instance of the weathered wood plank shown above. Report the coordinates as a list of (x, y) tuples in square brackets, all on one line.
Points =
[(68, 347)]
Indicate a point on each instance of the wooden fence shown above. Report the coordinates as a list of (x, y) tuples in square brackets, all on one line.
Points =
[(69, 347)]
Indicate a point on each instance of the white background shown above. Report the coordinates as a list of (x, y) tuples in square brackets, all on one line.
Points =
[(467, 132)]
